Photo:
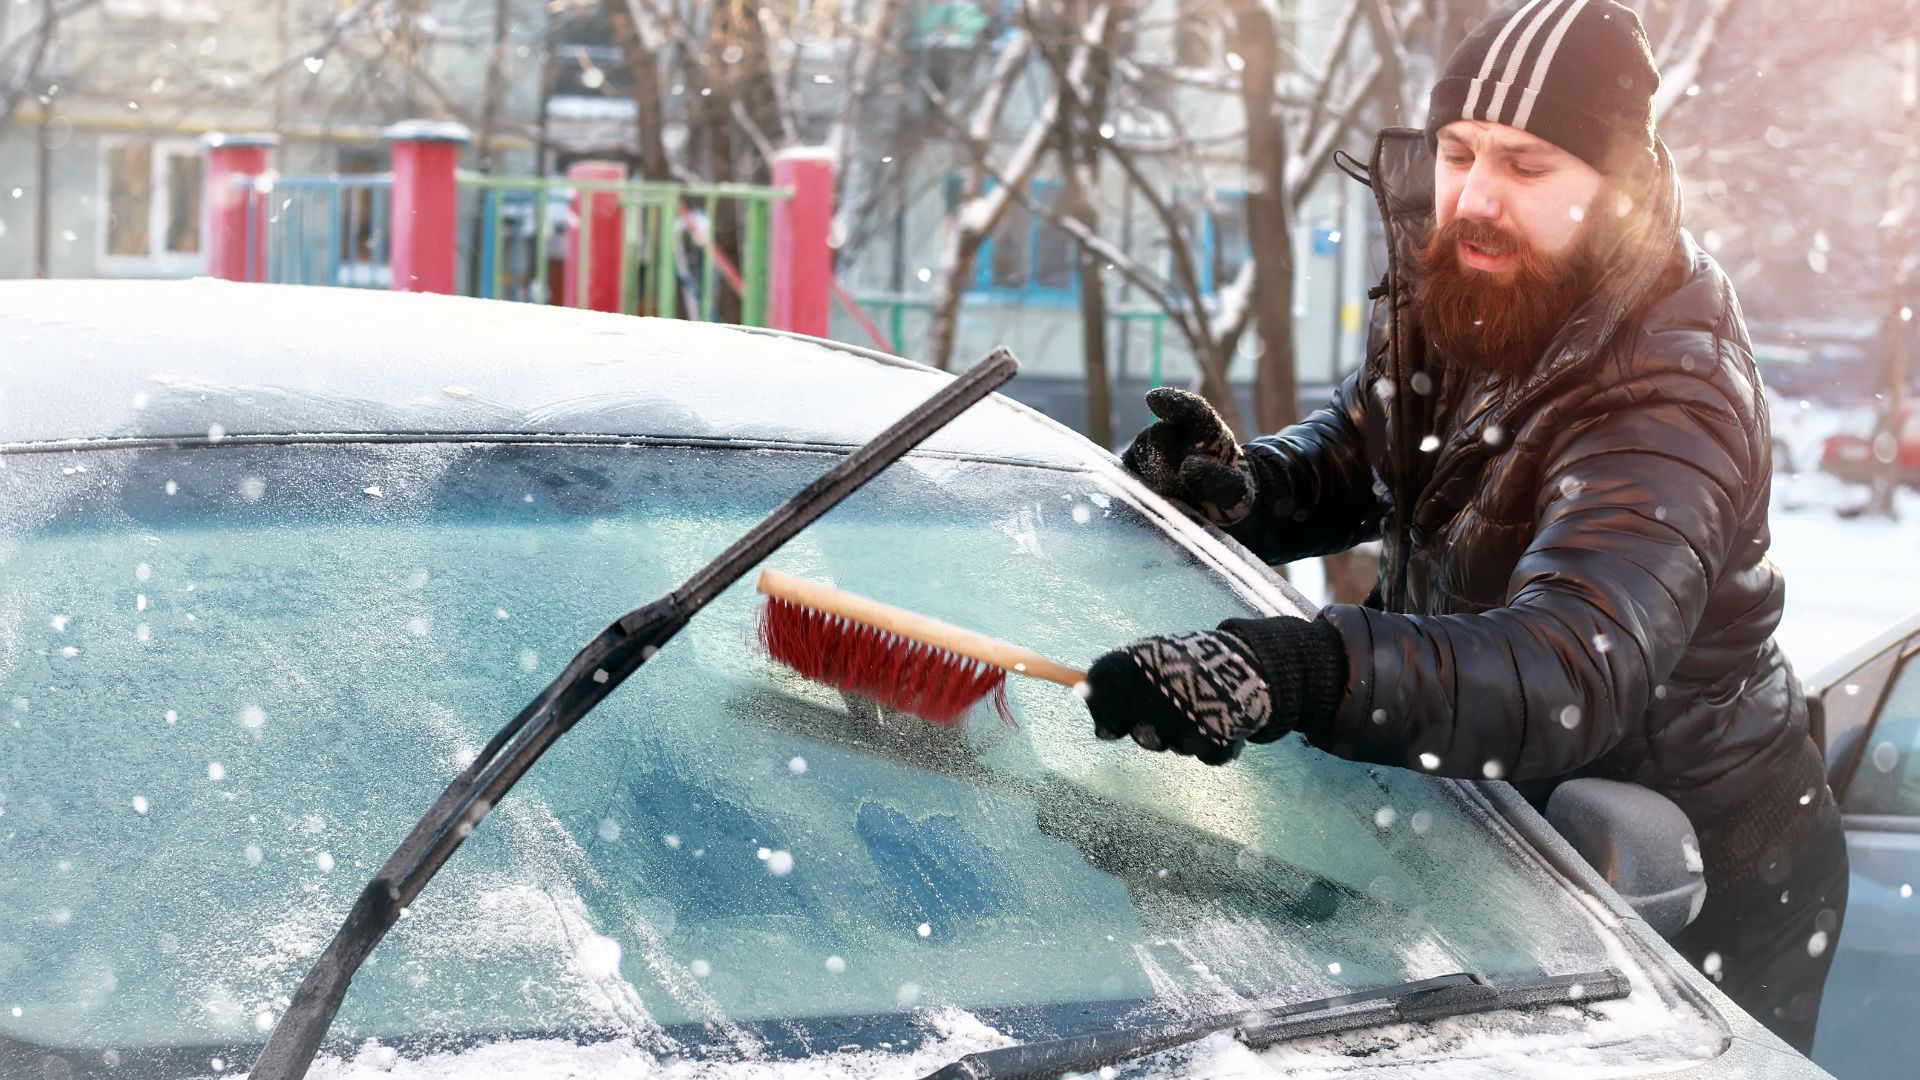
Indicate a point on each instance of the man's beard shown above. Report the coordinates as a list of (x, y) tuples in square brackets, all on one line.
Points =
[(1496, 322)]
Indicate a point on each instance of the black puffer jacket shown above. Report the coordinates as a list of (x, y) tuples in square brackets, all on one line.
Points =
[(1574, 577)]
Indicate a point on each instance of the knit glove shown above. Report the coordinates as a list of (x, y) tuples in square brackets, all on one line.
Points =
[(1207, 694), (1190, 455)]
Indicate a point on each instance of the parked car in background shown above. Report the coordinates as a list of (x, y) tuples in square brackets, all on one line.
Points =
[(1867, 707), (1852, 455), (275, 562)]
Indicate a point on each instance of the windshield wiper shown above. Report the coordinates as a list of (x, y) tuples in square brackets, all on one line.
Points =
[(1424, 999), (589, 677)]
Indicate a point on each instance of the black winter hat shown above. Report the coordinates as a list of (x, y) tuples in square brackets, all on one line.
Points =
[(1576, 73)]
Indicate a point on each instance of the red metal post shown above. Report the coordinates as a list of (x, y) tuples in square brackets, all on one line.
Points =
[(227, 201), (426, 204), (601, 215), (802, 255)]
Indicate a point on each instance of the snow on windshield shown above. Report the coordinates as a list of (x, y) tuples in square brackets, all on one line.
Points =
[(668, 872)]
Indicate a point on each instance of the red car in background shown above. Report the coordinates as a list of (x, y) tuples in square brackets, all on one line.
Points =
[(1851, 456)]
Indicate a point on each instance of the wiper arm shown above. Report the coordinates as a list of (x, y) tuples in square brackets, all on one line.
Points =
[(1424, 999), (590, 676)]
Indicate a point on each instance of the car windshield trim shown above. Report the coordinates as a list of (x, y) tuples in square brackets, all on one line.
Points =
[(519, 438), (1458, 994)]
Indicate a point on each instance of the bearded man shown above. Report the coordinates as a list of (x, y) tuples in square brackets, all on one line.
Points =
[(1560, 439)]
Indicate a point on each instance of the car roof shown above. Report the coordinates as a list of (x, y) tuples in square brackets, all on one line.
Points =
[(177, 360)]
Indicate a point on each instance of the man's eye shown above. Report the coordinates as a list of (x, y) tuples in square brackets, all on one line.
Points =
[(1526, 173), (1459, 159)]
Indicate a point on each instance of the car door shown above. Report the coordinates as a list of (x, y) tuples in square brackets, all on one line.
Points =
[(1872, 738)]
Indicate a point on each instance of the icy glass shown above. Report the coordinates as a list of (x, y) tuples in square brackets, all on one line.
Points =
[(232, 678)]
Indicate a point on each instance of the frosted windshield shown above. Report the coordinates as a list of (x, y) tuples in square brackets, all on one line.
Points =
[(232, 678)]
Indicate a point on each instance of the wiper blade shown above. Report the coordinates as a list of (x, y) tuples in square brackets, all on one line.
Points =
[(1423, 999), (590, 676)]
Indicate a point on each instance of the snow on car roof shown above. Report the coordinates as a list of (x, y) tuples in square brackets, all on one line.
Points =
[(90, 360)]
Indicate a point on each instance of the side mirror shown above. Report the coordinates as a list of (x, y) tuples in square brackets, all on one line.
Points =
[(1640, 842)]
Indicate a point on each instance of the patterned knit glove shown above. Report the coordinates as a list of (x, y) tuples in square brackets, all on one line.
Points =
[(1207, 694), (1191, 455)]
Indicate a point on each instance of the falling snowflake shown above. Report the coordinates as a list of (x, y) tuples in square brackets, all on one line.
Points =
[(1384, 817), (139, 804), (924, 930), (797, 766), (1429, 761), (324, 861), (835, 965), (780, 864), (700, 968), (216, 771), (609, 830)]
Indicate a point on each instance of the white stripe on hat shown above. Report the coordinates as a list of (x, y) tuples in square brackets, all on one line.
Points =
[(1493, 52), (1546, 59), (1508, 76)]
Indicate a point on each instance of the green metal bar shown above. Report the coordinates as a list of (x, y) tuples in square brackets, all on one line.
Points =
[(898, 320), (1153, 372), (630, 210), (753, 305), (583, 264), (496, 245), (666, 281), (333, 234), (539, 295), (710, 268)]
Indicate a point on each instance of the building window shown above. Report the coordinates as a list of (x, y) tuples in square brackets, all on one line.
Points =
[(152, 196), (1026, 258), (1220, 238)]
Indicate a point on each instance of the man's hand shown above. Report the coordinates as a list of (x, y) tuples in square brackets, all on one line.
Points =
[(1190, 455), (1207, 694)]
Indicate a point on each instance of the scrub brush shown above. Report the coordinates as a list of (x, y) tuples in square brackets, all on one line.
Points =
[(905, 661)]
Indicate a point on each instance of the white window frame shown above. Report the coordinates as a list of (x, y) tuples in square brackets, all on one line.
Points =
[(157, 261)]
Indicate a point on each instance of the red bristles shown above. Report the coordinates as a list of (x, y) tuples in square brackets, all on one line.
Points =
[(897, 672)]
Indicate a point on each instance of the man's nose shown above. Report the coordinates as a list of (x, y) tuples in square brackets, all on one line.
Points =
[(1479, 196)]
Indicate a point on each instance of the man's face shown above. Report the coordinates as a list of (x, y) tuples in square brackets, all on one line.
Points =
[(1509, 257), (1520, 184)]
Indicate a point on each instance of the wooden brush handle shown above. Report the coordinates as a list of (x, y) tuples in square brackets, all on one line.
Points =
[(859, 609)]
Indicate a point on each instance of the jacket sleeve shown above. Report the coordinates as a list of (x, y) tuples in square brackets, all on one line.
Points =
[(1636, 518), (1315, 485)]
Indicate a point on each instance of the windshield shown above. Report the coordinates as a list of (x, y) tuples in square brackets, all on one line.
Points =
[(231, 678)]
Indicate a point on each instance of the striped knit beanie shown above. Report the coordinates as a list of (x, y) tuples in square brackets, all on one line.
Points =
[(1576, 73)]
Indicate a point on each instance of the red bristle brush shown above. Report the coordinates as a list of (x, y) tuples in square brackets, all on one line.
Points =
[(905, 661)]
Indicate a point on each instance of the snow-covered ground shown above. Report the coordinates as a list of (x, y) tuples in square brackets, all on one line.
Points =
[(1847, 579)]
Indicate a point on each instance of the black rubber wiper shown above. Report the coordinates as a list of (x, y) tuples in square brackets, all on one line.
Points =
[(589, 677), (1425, 999)]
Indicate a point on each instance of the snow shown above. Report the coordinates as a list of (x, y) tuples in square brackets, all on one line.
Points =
[(1848, 581)]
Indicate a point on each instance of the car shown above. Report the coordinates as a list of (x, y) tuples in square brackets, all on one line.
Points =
[(1868, 709), (277, 561), (1853, 458)]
